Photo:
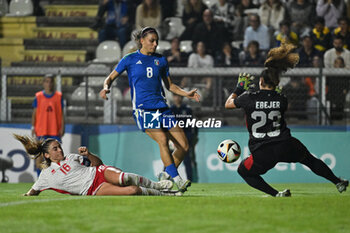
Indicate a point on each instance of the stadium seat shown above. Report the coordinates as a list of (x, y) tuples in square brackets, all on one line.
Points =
[(209, 3), (129, 47), (79, 93), (117, 94), (132, 34), (176, 27), (126, 94), (179, 8), (72, 9), (162, 46), (237, 44), (96, 81), (4, 7), (21, 8), (108, 51), (186, 46), (241, 57), (251, 11)]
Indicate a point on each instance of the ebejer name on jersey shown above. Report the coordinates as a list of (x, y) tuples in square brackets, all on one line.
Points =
[(267, 104)]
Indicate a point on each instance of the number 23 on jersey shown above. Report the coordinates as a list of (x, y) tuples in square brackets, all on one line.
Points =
[(262, 121)]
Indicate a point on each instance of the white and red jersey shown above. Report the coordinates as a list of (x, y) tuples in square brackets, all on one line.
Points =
[(68, 176)]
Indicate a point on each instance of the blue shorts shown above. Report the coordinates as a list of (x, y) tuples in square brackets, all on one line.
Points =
[(154, 119)]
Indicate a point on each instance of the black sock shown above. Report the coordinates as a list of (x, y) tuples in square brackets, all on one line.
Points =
[(259, 183), (256, 181), (320, 168)]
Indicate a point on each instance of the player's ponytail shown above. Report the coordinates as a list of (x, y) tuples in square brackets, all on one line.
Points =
[(34, 147), (279, 60), (142, 33)]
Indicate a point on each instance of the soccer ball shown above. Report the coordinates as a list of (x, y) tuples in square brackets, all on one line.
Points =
[(229, 151)]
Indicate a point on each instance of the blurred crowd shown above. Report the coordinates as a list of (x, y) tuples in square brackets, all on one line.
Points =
[(234, 32), (239, 33)]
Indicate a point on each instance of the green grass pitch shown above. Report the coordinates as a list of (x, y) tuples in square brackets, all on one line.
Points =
[(204, 208)]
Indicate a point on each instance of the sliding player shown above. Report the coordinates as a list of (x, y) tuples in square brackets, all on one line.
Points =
[(66, 174)]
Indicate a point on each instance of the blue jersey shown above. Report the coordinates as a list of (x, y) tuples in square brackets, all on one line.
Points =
[(145, 79)]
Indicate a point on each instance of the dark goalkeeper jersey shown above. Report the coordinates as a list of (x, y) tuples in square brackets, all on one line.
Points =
[(264, 111)]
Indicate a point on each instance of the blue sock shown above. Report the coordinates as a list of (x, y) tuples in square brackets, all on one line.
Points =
[(172, 170)]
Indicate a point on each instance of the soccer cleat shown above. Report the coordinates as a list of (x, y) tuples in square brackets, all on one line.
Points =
[(341, 186), (163, 176), (182, 185), (284, 193), (165, 185), (172, 193)]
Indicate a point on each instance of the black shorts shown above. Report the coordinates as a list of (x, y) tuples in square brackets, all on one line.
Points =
[(268, 155)]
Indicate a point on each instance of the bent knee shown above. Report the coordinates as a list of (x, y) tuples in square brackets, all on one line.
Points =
[(184, 146), (162, 142), (245, 167), (242, 170)]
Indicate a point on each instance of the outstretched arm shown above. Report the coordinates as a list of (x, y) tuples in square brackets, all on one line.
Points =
[(32, 192), (243, 84), (230, 104), (95, 161), (107, 84), (192, 94)]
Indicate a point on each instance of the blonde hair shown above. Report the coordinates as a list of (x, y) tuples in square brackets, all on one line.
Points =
[(35, 148), (151, 11), (279, 60)]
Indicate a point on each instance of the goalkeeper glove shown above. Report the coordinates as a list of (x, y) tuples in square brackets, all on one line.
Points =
[(244, 83)]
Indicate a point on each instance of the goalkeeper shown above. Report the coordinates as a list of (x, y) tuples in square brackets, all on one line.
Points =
[(270, 141)]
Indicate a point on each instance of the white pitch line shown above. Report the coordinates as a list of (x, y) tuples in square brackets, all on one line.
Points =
[(39, 201)]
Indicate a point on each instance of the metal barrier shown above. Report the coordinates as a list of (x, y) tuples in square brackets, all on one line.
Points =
[(214, 83)]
